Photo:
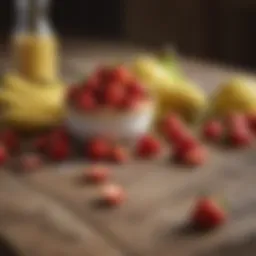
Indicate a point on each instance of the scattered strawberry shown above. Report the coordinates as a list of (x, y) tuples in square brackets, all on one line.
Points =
[(58, 149), (72, 93), (119, 155), (30, 162), (236, 119), (3, 154), (98, 149), (113, 195), (213, 130), (173, 128), (251, 118), (148, 146), (195, 156), (184, 145), (208, 214), (10, 139), (240, 137), (97, 174)]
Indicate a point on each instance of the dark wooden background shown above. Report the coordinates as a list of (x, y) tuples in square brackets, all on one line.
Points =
[(212, 29)]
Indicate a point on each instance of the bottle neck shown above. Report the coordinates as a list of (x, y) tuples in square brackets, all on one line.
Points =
[(32, 17)]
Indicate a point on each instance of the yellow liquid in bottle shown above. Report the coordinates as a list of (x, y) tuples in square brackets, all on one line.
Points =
[(36, 57)]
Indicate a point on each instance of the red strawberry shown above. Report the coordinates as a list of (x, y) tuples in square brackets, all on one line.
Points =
[(30, 162), (172, 127), (213, 130), (10, 139), (98, 149), (113, 195), (136, 90), (97, 174), (120, 74), (129, 103), (195, 156), (240, 137), (58, 149), (208, 214), (3, 154), (114, 94), (86, 102), (181, 149), (251, 118), (92, 83), (119, 155), (236, 119), (148, 146)]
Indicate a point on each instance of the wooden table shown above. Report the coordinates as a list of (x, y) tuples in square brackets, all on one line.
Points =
[(48, 213)]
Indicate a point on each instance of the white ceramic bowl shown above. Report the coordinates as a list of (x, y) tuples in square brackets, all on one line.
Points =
[(119, 124)]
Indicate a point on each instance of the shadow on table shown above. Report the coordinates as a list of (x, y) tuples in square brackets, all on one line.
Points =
[(6, 249)]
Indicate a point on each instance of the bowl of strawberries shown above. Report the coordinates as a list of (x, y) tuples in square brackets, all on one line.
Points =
[(110, 102)]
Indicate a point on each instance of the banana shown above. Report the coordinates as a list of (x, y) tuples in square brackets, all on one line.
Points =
[(31, 105)]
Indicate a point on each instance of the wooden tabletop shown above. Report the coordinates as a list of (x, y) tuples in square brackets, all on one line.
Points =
[(49, 213)]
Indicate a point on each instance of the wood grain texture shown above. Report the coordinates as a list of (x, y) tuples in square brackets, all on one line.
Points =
[(51, 212)]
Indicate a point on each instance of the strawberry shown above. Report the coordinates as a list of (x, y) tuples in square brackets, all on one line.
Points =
[(86, 102), (129, 103), (97, 174), (251, 118), (10, 139), (173, 128), (98, 149), (148, 146), (240, 137), (92, 83), (113, 195), (3, 154), (58, 149), (236, 119), (30, 162), (213, 130), (114, 94), (120, 74), (181, 149), (119, 155), (195, 156), (136, 90), (208, 214)]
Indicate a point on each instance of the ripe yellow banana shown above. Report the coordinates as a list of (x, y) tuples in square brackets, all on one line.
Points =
[(30, 105)]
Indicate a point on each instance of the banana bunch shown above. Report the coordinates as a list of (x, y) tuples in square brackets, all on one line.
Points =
[(27, 105), (237, 94), (172, 90)]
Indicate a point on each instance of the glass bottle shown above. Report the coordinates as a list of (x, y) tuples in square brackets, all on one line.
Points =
[(34, 43)]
